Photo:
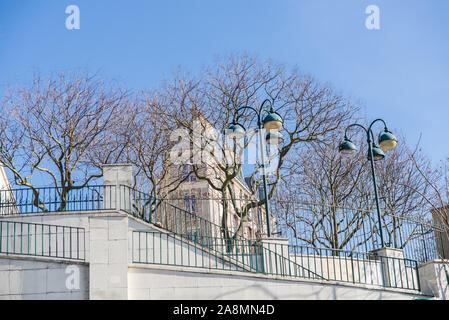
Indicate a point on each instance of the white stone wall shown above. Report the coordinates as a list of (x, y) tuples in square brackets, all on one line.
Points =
[(38, 278), (434, 280), (113, 275), (108, 263), (150, 282)]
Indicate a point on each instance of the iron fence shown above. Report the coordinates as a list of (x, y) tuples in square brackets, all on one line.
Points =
[(212, 253), (276, 260), (350, 266), (212, 209), (355, 229), (215, 253), (52, 199), (44, 240), (164, 213)]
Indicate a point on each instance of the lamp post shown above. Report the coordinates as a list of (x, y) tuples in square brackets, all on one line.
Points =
[(387, 142), (272, 122)]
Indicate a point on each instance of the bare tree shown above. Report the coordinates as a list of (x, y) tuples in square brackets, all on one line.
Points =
[(62, 127), (401, 189), (322, 201), (437, 198), (149, 146), (326, 200), (310, 111)]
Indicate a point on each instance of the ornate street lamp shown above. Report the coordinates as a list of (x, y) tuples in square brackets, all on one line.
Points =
[(387, 142), (273, 123)]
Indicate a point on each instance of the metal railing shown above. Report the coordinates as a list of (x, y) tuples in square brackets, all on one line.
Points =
[(355, 229), (43, 240), (214, 253), (419, 240), (52, 199), (358, 267), (164, 214), (218, 253), (213, 207), (192, 230), (277, 260), (195, 232)]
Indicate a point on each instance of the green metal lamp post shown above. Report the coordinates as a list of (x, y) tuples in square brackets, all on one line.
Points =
[(273, 123), (387, 142)]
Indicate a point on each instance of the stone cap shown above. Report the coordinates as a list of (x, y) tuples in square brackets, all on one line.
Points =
[(275, 240), (389, 252), (116, 165), (117, 174)]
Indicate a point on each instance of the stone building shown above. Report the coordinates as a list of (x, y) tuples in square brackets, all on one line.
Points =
[(6, 195), (197, 196), (441, 236)]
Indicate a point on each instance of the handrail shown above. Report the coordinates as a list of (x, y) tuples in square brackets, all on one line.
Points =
[(51, 199), (42, 240), (150, 211)]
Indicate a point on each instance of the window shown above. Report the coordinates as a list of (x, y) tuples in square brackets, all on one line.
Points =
[(186, 169), (190, 203), (236, 221), (193, 199), (193, 236)]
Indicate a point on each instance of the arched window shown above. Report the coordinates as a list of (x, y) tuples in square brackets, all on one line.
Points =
[(190, 204)]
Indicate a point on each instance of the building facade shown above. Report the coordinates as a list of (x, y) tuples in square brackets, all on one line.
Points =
[(6, 194)]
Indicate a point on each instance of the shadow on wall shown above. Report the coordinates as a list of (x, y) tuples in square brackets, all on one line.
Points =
[(261, 292)]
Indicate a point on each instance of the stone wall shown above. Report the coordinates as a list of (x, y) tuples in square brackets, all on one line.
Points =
[(42, 278), (434, 279), (109, 271), (153, 282)]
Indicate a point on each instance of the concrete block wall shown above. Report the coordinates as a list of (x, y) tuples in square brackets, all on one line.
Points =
[(339, 268), (113, 275), (108, 264), (150, 282), (434, 279), (39, 278), (116, 175), (105, 248)]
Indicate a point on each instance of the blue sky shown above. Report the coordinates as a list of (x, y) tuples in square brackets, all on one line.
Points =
[(399, 73)]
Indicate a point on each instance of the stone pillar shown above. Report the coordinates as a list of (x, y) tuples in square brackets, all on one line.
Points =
[(108, 263), (434, 279), (115, 176), (395, 272), (275, 256)]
